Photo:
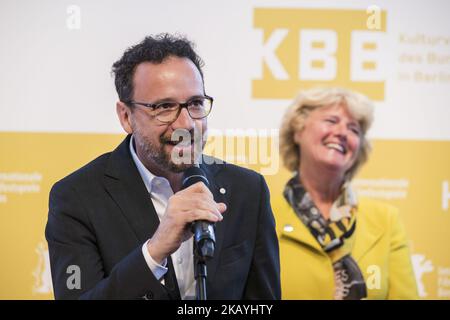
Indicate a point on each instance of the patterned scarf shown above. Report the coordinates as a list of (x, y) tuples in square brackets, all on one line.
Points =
[(334, 235)]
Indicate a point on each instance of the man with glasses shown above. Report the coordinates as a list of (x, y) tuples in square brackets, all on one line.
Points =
[(123, 221)]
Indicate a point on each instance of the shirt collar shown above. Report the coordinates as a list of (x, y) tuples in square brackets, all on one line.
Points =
[(152, 183)]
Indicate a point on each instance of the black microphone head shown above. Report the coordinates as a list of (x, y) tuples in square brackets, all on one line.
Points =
[(204, 237), (193, 175)]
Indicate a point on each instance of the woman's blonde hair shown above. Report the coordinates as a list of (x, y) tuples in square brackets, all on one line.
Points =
[(358, 105)]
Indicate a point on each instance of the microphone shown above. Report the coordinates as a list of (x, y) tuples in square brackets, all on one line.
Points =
[(204, 237)]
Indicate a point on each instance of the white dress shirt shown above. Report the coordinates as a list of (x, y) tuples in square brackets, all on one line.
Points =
[(183, 260)]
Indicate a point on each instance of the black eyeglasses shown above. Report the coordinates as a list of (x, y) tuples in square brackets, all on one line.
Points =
[(168, 111)]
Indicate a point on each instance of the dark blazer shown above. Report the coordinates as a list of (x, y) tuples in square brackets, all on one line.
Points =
[(101, 215)]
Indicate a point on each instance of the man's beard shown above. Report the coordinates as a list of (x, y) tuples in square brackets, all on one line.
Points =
[(158, 155)]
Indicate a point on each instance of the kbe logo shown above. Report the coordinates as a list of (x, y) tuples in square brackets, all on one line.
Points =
[(303, 48)]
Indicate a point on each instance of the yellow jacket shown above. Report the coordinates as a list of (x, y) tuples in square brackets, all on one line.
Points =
[(380, 250)]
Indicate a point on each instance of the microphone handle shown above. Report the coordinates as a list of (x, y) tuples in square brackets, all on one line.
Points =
[(204, 238)]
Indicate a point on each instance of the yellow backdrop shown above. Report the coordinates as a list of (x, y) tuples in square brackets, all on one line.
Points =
[(413, 175)]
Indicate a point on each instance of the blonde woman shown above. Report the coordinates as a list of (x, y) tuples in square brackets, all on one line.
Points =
[(334, 245)]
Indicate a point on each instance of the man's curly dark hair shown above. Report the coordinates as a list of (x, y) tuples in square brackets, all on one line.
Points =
[(153, 49)]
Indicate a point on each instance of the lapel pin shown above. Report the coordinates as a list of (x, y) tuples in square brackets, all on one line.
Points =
[(222, 190)]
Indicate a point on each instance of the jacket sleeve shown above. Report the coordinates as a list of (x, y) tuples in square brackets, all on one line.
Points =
[(76, 263), (402, 283), (264, 278)]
